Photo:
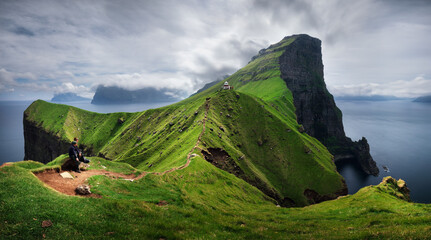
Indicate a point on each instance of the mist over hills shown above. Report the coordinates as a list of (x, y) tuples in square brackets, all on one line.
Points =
[(117, 95), (68, 97)]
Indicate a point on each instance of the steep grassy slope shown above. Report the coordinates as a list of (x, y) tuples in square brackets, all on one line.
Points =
[(244, 135), (203, 202), (270, 153)]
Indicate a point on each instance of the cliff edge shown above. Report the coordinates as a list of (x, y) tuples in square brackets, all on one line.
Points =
[(301, 68)]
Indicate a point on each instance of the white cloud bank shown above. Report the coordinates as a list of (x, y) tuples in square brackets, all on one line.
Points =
[(416, 87)]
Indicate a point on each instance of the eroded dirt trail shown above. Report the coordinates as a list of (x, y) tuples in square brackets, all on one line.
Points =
[(67, 186)]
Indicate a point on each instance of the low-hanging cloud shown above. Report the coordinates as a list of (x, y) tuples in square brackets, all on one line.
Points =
[(416, 87)]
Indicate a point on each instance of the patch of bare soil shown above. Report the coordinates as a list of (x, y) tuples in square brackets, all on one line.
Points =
[(5, 164), (67, 186)]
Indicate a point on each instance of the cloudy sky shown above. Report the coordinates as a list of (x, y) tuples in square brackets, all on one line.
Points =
[(46, 47)]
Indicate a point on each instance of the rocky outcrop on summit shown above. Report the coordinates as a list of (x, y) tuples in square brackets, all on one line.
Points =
[(397, 188), (302, 69)]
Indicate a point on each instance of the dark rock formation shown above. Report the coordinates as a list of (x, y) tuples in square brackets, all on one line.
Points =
[(302, 69), (70, 165), (40, 145), (221, 159), (314, 197), (116, 95)]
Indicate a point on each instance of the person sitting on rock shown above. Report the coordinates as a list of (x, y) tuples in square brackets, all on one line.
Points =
[(80, 155), (74, 156)]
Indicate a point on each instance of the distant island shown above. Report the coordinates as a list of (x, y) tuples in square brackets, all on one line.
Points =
[(68, 97), (374, 98), (424, 99), (117, 95)]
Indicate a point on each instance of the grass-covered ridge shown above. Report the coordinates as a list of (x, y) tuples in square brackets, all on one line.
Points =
[(261, 146)]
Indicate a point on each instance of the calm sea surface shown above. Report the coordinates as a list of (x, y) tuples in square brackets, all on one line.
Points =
[(399, 134)]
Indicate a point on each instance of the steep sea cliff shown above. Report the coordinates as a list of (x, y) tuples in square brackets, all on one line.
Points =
[(302, 69)]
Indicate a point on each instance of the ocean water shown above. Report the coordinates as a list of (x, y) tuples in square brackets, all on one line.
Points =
[(12, 132), (399, 134)]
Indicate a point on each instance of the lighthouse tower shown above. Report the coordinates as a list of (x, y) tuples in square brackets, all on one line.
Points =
[(226, 86)]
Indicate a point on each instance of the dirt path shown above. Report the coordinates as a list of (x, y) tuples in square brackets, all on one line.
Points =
[(53, 179), (67, 186)]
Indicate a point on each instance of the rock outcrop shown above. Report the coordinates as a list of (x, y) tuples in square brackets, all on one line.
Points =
[(40, 145), (396, 188), (302, 69)]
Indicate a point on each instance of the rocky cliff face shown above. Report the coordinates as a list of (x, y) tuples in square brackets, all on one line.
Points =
[(302, 69), (40, 145)]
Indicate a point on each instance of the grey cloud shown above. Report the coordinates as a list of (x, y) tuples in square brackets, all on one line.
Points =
[(23, 31), (186, 44)]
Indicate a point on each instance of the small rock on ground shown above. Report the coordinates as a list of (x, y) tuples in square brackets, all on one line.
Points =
[(46, 223), (83, 189)]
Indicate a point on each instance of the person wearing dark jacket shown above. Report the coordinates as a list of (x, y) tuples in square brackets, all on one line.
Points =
[(80, 155), (74, 156)]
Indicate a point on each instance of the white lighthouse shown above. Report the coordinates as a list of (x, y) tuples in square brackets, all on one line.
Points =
[(226, 86)]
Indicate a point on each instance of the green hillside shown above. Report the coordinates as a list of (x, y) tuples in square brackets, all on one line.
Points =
[(260, 145), (201, 202)]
